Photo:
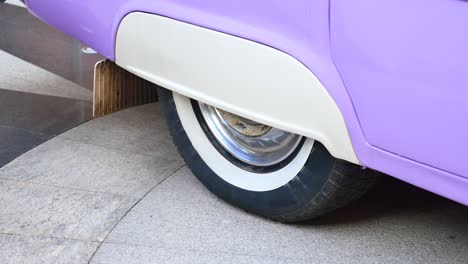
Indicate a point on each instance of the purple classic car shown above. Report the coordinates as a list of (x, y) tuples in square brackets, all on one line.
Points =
[(287, 108)]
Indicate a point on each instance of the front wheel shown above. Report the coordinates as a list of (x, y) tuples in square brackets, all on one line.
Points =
[(264, 170)]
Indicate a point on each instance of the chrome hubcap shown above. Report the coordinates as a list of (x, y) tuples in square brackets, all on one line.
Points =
[(249, 141)]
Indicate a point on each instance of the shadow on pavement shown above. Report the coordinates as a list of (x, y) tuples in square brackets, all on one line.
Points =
[(391, 197)]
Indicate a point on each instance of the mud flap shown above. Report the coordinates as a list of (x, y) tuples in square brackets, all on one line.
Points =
[(116, 89)]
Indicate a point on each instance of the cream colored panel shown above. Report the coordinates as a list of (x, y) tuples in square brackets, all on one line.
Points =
[(234, 74)]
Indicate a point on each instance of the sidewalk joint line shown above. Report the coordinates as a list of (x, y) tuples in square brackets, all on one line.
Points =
[(124, 215)]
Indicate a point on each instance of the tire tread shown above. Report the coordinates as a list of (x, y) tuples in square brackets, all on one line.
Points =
[(346, 182)]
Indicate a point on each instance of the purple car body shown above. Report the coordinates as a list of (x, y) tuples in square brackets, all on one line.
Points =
[(398, 70)]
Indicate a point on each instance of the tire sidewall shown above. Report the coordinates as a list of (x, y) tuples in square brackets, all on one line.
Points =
[(289, 198)]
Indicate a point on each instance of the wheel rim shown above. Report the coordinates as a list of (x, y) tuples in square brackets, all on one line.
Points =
[(249, 141)]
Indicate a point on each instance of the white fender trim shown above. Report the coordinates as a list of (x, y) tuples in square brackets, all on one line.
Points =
[(234, 74)]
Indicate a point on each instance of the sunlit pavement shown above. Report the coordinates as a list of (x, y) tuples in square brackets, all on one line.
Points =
[(115, 190)]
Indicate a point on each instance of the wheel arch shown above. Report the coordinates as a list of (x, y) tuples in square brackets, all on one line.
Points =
[(233, 74)]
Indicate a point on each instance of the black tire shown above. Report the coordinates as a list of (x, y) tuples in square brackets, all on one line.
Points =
[(323, 185)]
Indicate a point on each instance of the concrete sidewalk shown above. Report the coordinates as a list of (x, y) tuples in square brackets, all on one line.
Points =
[(114, 190)]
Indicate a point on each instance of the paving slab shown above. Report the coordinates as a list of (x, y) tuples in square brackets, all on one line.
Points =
[(40, 250), (126, 153), (33, 209), (135, 130), (42, 113), (130, 254), (63, 199), (181, 214), (73, 164), (15, 141)]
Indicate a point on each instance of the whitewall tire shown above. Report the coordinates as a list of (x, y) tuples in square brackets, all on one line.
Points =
[(309, 182)]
